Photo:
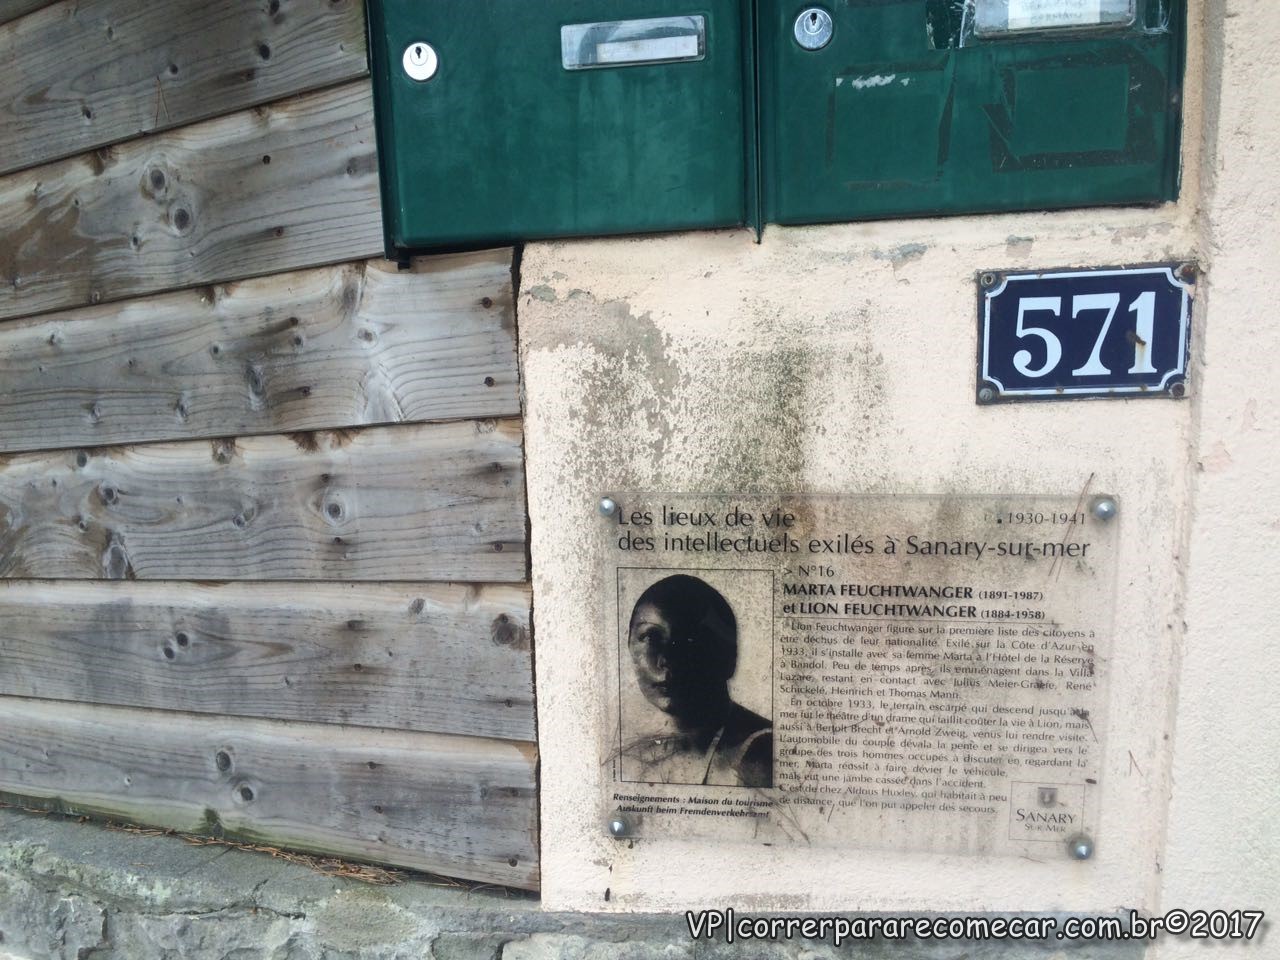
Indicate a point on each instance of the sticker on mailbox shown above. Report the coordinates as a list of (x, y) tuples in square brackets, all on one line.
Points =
[(1111, 332)]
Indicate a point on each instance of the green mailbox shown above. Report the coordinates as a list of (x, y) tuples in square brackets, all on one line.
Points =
[(880, 108), (506, 120), (501, 120)]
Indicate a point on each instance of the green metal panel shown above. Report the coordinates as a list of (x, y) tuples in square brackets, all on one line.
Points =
[(505, 144), (894, 117)]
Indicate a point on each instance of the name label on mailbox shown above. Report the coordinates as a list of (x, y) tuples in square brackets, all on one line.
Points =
[(1113, 332), (615, 43), (1013, 16)]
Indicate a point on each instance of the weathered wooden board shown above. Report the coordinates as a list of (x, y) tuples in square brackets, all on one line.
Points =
[(278, 187), (85, 73), (339, 346), (415, 502), (428, 657), (463, 806), (12, 9)]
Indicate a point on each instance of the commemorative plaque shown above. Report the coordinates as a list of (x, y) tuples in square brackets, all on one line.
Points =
[(894, 672)]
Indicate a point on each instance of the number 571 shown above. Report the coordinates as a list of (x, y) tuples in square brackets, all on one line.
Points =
[(1144, 307)]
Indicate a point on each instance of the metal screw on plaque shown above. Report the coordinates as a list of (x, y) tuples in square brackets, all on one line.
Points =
[(814, 28), (1187, 272), (619, 826), (1104, 508), (1080, 847), (988, 279), (986, 395), (608, 506)]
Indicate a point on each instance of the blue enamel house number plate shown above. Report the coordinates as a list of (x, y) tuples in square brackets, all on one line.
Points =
[(1066, 334)]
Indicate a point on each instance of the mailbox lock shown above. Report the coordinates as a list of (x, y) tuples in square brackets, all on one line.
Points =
[(420, 61), (813, 28)]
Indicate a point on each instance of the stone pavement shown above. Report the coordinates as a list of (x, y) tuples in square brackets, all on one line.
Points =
[(81, 891)]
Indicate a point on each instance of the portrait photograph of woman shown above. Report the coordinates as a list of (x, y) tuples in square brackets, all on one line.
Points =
[(695, 675)]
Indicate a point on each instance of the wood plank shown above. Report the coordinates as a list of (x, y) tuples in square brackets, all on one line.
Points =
[(82, 74), (462, 806), (416, 502), (353, 345), (278, 187), (13, 9), (428, 657)]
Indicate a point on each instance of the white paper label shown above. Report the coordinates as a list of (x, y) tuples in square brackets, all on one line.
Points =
[(652, 50), (1039, 14)]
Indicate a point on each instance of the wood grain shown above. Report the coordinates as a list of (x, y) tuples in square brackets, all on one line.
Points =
[(13, 9), (82, 74), (343, 346), (274, 188), (417, 502), (463, 806), (428, 657)]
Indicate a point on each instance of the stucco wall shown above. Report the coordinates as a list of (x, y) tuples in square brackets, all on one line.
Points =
[(1223, 844), (840, 359)]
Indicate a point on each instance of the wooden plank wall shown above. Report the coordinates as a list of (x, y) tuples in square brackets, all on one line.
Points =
[(263, 569)]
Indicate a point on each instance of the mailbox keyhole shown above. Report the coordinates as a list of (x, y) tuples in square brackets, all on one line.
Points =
[(420, 61), (813, 28)]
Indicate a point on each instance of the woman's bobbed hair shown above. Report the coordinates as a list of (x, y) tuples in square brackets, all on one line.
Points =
[(696, 610)]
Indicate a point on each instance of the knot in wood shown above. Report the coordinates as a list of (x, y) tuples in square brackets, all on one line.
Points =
[(223, 450), (505, 632), (115, 561), (257, 382)]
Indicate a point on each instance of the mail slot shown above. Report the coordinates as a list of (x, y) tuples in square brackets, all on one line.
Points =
[(554, 119), (919, 107)]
